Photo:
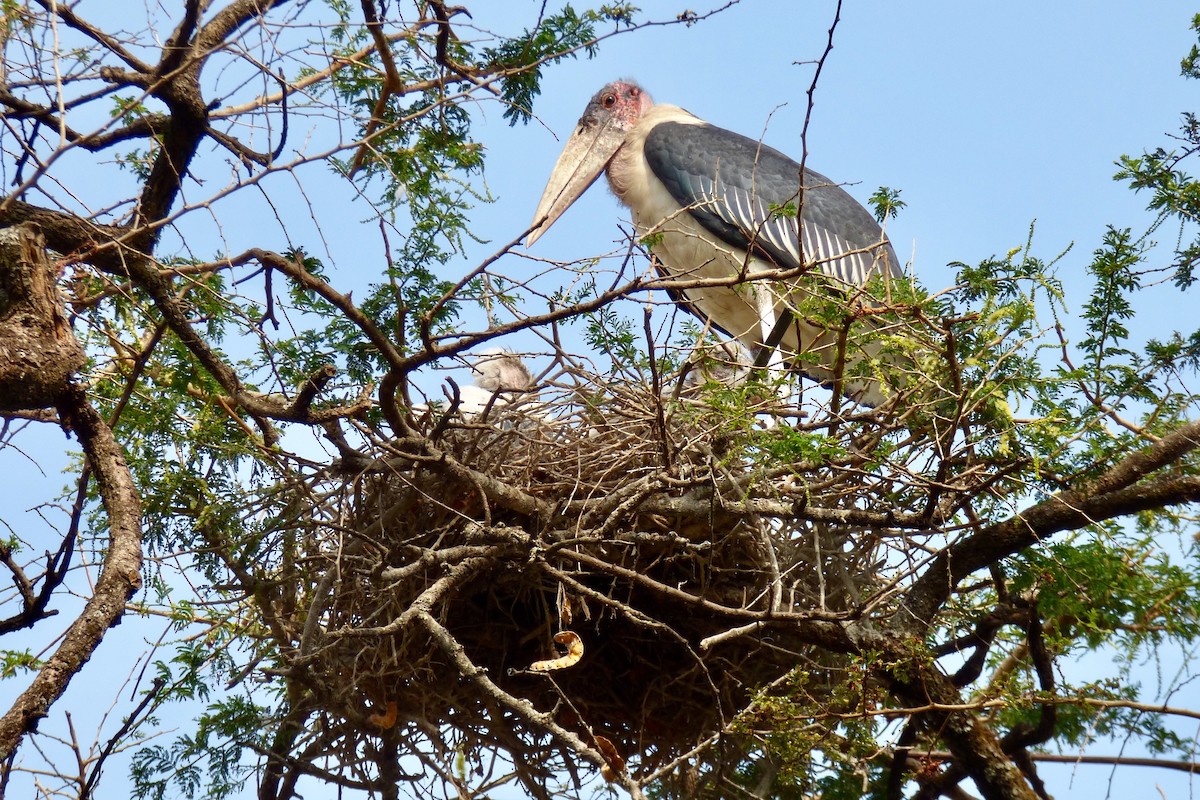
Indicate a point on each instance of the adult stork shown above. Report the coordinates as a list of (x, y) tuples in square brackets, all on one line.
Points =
[(714, 204)]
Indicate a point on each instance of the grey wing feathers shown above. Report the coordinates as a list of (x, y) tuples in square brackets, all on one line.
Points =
[(740, 190)]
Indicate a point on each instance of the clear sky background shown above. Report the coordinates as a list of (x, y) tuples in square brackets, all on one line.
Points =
[(987, 116)]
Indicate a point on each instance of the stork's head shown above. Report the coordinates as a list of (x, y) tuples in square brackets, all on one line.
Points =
[(601, 131)]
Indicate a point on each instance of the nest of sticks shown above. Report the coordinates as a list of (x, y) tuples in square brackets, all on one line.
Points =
[(613, 524)]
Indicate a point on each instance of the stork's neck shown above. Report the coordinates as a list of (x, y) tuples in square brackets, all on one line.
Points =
[(628, 173)]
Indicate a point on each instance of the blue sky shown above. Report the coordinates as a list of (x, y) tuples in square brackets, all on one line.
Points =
[(987, 116)]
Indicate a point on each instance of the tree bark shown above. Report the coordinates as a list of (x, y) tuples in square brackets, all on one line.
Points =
[(976, 747), (119, 578), (38, 351)]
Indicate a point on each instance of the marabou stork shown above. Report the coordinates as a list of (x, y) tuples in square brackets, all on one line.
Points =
[(714, 204)]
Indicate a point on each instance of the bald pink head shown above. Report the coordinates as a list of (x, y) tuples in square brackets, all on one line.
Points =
[(609, 116), (620, 104)]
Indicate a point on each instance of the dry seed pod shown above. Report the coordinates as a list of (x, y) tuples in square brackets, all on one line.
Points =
[(615, 764), (574, 653), (387, 719)]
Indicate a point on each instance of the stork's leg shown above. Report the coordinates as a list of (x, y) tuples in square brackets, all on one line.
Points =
[(772, 340), (764, 304)]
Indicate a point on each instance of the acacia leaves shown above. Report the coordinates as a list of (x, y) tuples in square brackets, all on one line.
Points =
[(521, 59), (1174, 192)]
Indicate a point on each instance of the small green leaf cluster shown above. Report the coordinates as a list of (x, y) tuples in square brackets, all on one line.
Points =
[(208, 762), (608, 331), (14, 662), (559, 36), (886, 203)]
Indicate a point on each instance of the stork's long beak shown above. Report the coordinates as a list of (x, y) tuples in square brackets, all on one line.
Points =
[(584, 157)]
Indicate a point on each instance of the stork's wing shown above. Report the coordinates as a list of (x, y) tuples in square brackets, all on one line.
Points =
[(746, 194)]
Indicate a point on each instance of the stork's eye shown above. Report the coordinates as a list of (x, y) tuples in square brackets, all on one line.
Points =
[(609, 100)]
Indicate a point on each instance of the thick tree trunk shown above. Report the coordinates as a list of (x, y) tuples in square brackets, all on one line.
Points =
[(38, 356), (120, 575), (38, 351)]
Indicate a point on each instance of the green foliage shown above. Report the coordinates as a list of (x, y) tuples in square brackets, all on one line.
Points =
[(207, 763), (14, 662), (1174, 193), (651, 240), (1006, 279), (792, 446), (128, 109), (886, 203), (1113, 367), (818, 731), (557, 37), (1112, 590), (786, 211), (607, 331), (999, 345), (1189, 67), (136, 159)]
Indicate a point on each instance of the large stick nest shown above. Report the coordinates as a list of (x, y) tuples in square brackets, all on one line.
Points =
[(443, 570)]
